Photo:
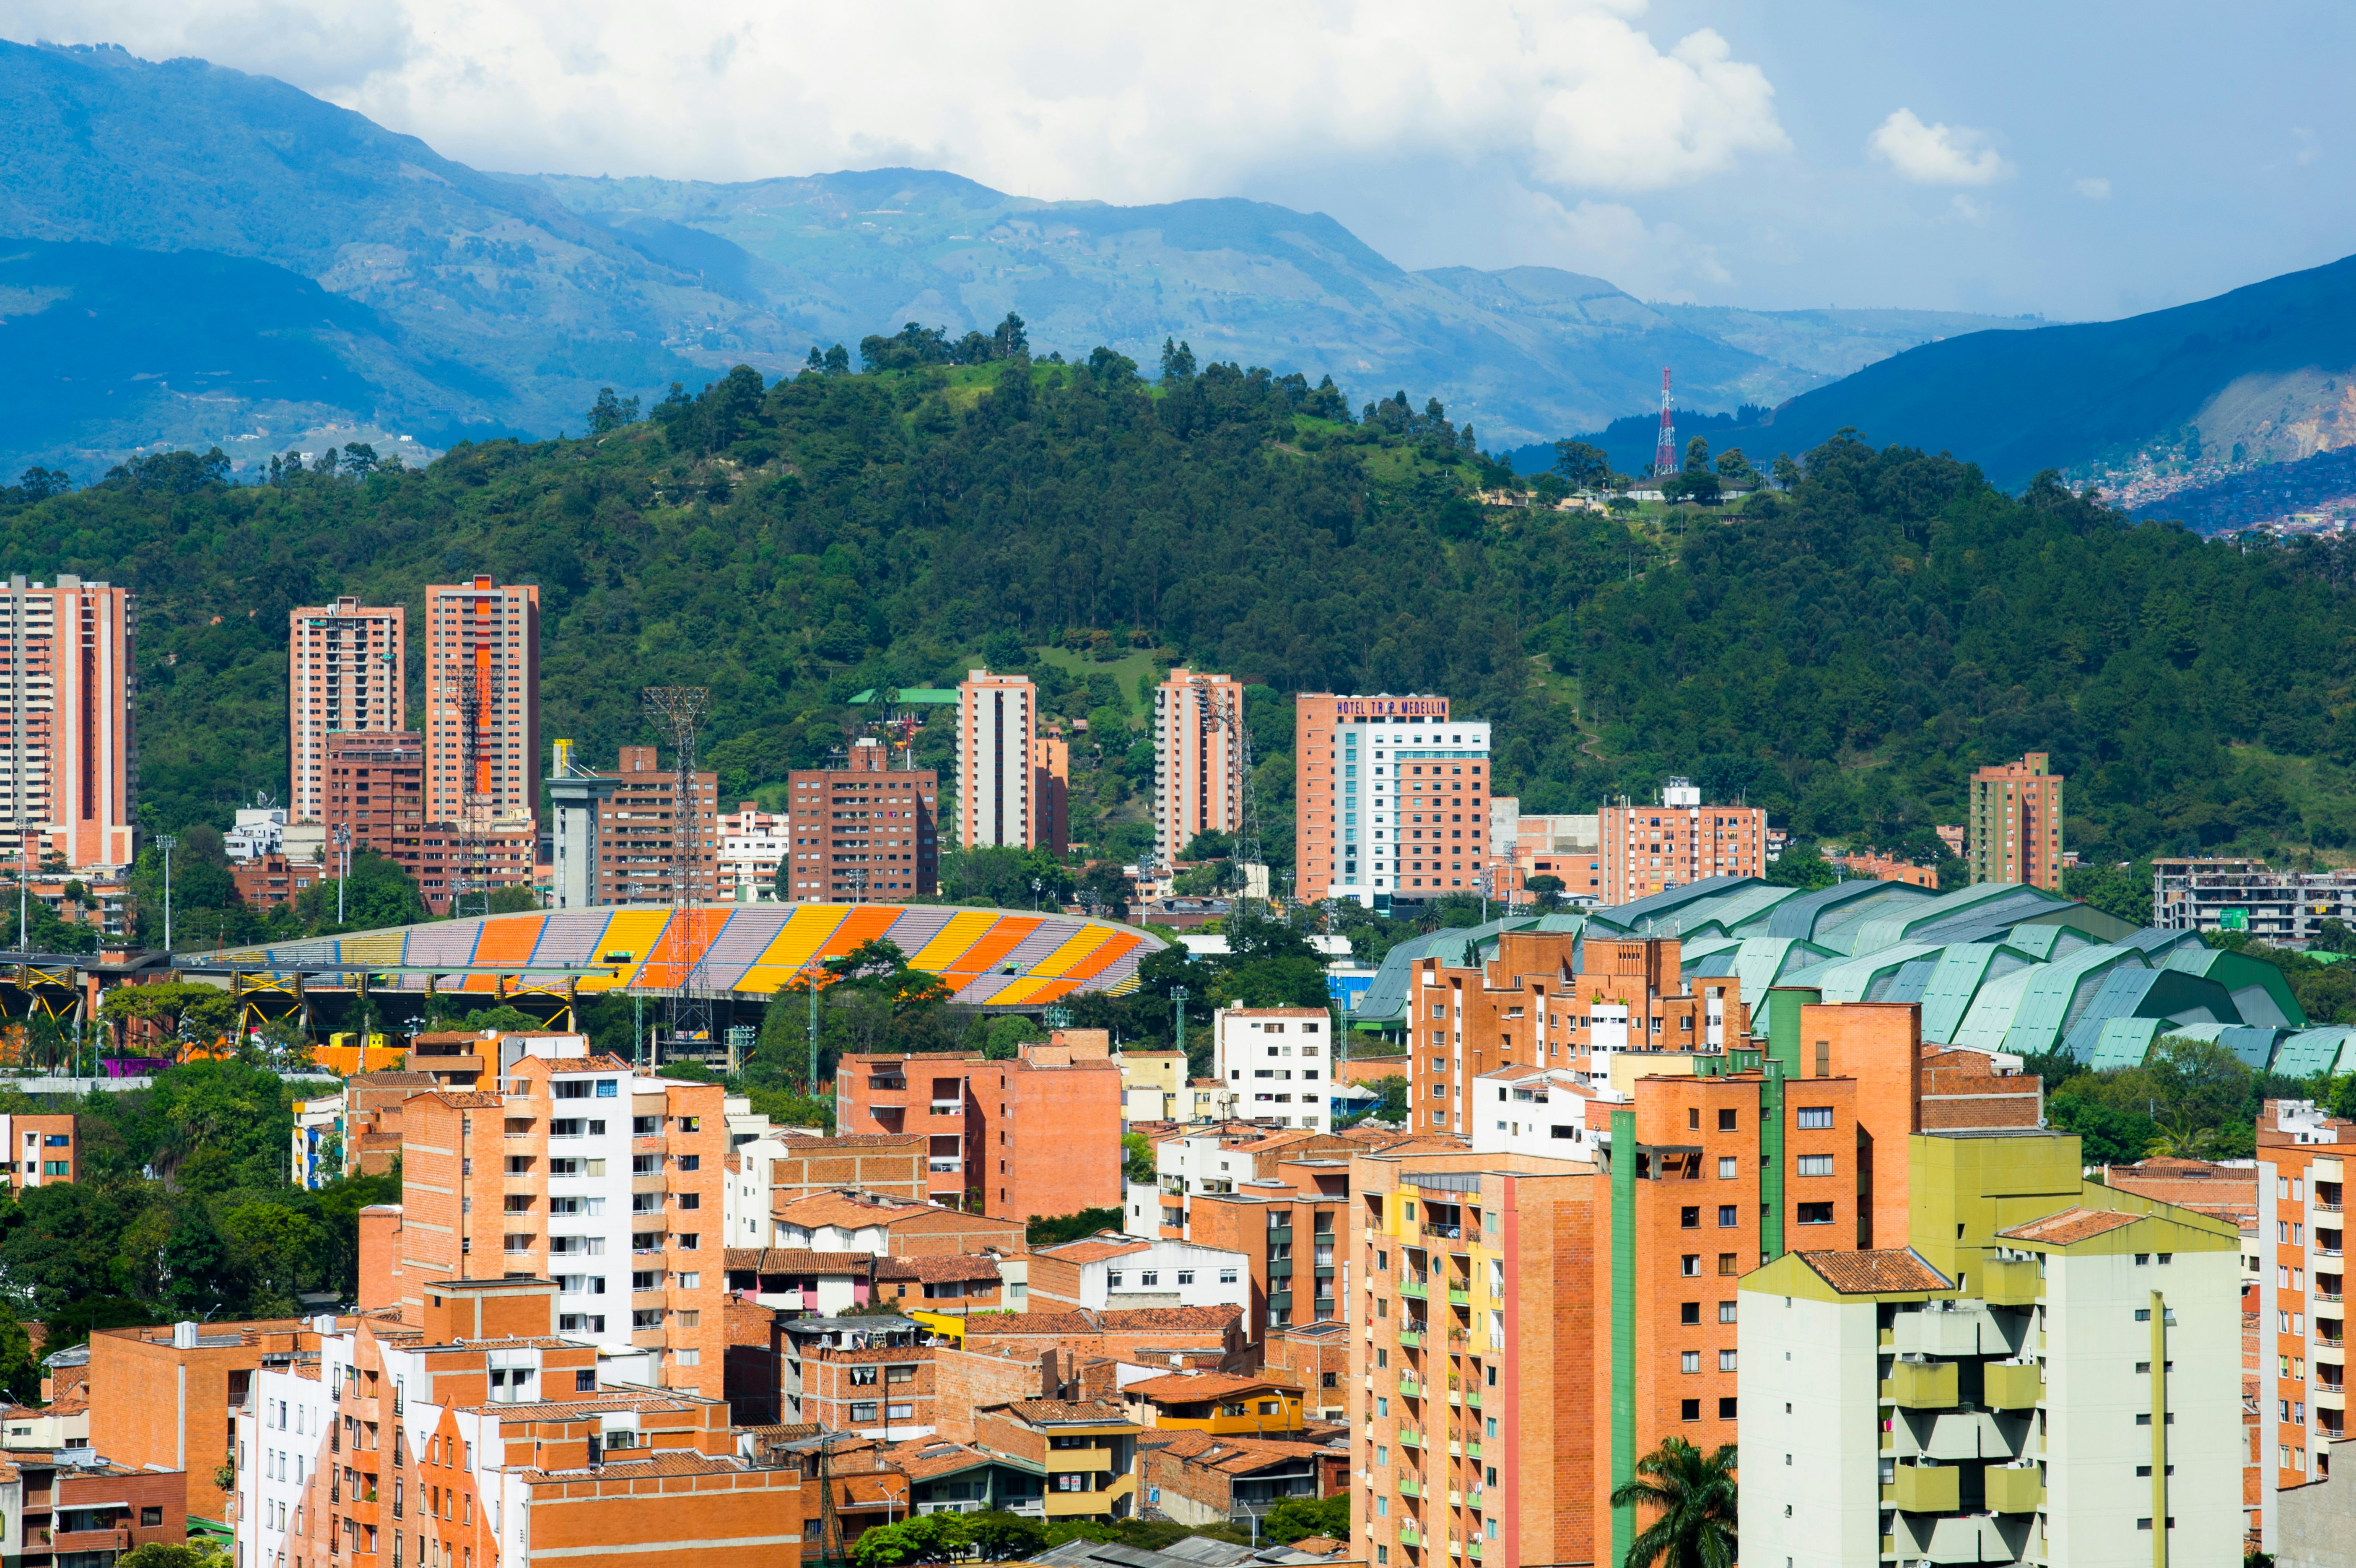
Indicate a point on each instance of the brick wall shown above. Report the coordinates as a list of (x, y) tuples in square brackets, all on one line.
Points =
[(870, 1163), (967, 1380), (157, 1405)]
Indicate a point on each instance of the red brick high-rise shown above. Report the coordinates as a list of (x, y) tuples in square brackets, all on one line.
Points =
[(346, 669), (67, 681), (863, 833)]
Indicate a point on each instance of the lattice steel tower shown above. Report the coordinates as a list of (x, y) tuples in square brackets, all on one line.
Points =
[(1665, 450), (679, 712)]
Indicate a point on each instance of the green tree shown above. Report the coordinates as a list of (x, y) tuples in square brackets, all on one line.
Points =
[(2124, 891), (1002, 1537), (1137, 1162), (1298, 1518), (1007, 1036), (1580, 465), (515, 898), (1690, 1497), (378, 894)]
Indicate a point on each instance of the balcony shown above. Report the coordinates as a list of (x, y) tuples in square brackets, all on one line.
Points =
[(1409, 1438), (1458, 1296), (1924, 1489), (1415, 1288), (2014, 1488), (2010, 1281), (1411, 1536), (1921, 1385), (947, 1107), (2013, 1388), (940, 1166), (1408, 1488), (1412, 1339), (1409, 1388)]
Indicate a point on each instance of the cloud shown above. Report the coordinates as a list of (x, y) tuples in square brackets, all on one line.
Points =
[(1050, 98), (1967, 210), (1609, 239), (2093, 188), (1935, 155)]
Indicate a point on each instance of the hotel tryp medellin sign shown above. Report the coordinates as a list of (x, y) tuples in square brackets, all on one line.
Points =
[(1385, 707)]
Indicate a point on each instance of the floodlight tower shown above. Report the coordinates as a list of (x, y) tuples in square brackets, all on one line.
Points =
[(678, 711)]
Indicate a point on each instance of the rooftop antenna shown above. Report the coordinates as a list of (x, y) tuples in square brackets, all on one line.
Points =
[(1665, 450)]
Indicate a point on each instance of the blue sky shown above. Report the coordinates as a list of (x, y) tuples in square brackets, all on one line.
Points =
[(2077, 160)]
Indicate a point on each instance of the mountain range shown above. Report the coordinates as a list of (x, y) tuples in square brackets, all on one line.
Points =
[(195, 255)]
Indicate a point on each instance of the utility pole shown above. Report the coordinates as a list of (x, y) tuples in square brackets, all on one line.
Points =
[(166, 843), (1178, 994), (810, 972), (344, 845)]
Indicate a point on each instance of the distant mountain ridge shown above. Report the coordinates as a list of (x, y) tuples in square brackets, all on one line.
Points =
[(502, 301), (2267, 371)]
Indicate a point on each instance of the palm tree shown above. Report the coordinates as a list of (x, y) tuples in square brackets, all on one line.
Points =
[(1692, 1498)]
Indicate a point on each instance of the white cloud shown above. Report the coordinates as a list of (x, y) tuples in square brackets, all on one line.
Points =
[(1609, 239), (1935, 155), (2093, 188), (1050, 98), (1967, 210)]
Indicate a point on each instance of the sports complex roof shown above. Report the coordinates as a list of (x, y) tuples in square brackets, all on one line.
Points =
[(1997, 966), (996, 958)]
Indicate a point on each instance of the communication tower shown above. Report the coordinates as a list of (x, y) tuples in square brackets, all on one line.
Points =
[(475, 687), (1665, 450)]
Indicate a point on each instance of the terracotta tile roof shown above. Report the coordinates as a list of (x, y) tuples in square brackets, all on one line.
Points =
[(1319, 1545), (1877, 1271), (1233, 1456), (2073, 1224), (795, 1260), (607, 1403), (1095, 1249), (955, 1266), (1185, 1388), (2227, 1192), (1039, 1412), (929, 1456)]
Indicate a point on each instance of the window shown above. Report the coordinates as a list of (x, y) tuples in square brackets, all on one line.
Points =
[(1690, 1265), (584, 1382), (1726, 1311), (150, 1517), (1727, 1216), (1185, 1276), (1689, 1410), (690, 1161), (1226, 1276), (1815, 1164), (1815, 1117), (1150, 1278), (1689, 1361), (1726, 1407), (1729, 1168), (1726, 1123), (1690, 1219), (1726, 1265), (1816, 1214), (1112, 1279), (1726, 1360)]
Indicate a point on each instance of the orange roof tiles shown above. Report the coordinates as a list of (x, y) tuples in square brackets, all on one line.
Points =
[(1040, 1412), (795, 1260), (1186, 1388), (2073, 1224), (1876, 1271)]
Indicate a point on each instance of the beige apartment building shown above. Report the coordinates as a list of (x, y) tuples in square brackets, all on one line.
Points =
[(998, 716), (1198, 777), (346, 670)]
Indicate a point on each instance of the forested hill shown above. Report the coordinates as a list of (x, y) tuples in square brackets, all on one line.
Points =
[(1844, 655)]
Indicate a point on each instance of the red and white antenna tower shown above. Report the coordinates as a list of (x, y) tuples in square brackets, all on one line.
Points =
[(1665, 451)]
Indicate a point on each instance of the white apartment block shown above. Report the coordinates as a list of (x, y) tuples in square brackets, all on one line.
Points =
[(752, 842), (997, 717), (1121, 1272), (1279, 1063), (1551, 1113)]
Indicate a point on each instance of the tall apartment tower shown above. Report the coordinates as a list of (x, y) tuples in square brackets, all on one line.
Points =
[(1198, 776), (2016, 823), (482, 671), (864, 833), (65, 711), (2302, 1328), (346, 670), (1679, 842), (997, 717)]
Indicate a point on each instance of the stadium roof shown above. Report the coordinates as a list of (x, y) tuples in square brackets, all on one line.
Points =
[(997, 958)]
